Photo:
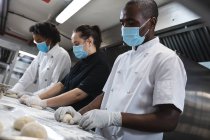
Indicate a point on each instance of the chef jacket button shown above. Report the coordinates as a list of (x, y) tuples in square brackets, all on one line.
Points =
[(51, 56), (45, 80), (119, 72), (48, 68), (136, 72), (128, 92)]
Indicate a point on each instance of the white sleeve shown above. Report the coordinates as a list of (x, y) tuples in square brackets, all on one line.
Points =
[(60, 71), (170, 82), (28, 77)]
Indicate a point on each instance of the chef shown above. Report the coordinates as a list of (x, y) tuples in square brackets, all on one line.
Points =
[(51, 64), (144, 94)]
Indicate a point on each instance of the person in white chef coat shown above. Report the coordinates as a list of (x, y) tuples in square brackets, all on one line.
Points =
[(144, 94), (51, 64)]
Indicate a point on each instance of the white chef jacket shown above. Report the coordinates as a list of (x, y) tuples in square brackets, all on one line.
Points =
[(47, 69), (139, 80)]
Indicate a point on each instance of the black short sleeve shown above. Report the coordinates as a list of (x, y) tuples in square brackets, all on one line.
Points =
[(64, 79)]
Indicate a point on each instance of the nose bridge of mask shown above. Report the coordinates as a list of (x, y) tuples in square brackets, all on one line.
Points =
[(133, 30)]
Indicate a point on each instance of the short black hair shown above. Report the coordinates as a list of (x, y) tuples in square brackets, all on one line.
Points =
[(46, 30), (148, 8), (90, 31)]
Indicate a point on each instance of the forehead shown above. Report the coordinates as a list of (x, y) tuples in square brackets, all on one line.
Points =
[(131, 12), (75, 35), (38, 37)]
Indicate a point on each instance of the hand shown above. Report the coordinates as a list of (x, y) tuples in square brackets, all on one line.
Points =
[(35, 101), (12, 92), (23, 98), (61, 111), (18, 93), (100, 119)]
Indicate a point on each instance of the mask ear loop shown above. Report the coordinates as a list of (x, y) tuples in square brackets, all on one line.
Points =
[(144, 25)]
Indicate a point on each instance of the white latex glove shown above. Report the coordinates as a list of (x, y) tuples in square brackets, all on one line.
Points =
[(23, 98), (18, 93), (61, 111), (35, 101), (99, 119), (11, 91)]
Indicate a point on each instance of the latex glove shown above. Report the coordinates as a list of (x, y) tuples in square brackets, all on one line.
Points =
[(11, 91), (61, 111), (23, 98), (18, 93), (100, 119), (35, 101)]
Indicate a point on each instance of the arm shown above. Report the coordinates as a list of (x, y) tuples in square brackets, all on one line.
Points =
[(163, 120), (95, 104), (28, 76), (53, 91), (67, 98)]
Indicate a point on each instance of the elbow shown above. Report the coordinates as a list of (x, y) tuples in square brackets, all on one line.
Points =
[(171, 125), (79, 97)]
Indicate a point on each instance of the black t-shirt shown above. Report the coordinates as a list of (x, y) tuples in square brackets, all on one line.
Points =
[(89, 75)]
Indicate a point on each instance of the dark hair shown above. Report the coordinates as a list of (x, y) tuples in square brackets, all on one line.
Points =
[(90, 31), (46, 30), (148, 8)]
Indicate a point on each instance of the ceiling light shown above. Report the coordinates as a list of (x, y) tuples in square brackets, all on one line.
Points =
[(71, 9)]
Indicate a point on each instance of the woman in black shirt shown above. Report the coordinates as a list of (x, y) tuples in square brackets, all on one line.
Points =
[(85, 80)]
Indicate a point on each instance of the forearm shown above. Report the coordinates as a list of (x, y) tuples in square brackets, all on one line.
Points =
[(67, 98), (52, 91), (154, 122), (95, 104)]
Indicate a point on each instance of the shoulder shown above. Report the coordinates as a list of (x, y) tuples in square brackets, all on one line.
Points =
[(102, 61), (61, 52), (162, 53)]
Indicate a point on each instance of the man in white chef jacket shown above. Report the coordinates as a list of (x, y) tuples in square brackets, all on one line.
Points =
[(144, 94), (51, 64)]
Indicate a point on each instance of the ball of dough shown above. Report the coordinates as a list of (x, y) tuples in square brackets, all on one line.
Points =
[(20, 122), (35, 130), (67, 118), (1, 127)]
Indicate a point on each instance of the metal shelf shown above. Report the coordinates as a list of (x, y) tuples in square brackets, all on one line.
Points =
[(11, 60)]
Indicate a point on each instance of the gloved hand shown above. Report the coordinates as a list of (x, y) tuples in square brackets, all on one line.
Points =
[(35, 101), (61, 111), (12, 92), (18, 93), (99, 119), (23, 98)]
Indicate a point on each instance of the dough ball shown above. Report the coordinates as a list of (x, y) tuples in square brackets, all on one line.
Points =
[(20, 122), (67, 118), (37, 107), (34, 129), (1, 127), (12, 95)]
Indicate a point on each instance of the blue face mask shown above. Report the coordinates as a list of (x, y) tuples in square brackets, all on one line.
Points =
[(131, 35), (42, 47), (79, 52)]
